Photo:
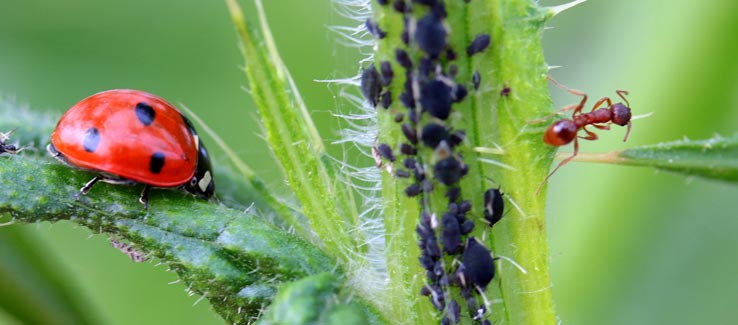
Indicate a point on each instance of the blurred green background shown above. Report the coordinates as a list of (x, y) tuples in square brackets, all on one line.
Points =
[(628, 245)]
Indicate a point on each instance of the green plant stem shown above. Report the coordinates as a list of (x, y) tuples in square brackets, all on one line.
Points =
[(297, 146)]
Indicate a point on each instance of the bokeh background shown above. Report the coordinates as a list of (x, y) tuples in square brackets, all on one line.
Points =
[(628, 245)]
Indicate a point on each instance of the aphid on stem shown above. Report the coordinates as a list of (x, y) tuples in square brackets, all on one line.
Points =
[(565, 131)]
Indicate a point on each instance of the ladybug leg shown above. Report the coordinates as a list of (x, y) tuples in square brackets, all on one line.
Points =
[(86, 189), (144, 198)]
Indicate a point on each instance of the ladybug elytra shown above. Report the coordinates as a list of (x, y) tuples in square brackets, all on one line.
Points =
[(129, 137)]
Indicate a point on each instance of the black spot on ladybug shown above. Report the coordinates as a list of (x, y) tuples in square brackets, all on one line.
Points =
[(448, 171), (430, 34), (371, 85), (480, 43), (479, 266), (145, 113), (476, 80), (373, 28), (432, 134), (494, 206), (91, 140), (156, 162), (436, 99)]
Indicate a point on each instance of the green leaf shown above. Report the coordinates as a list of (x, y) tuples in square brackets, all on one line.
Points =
[(314, 300), (234, 258), (715, 158), (296, 144)]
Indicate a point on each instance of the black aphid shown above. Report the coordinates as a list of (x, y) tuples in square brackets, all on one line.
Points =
[(399, 117), (399, 6), (386, 99), (494, 206), (387, 73), (453, 194), (480, 43), (454, 312), (456, 138), (505, 91), (430, 34), (436, 99), (403, 59), (402, 173), (408, 149), (448, 171), (373, 28), (460, 93), (383, 2), (479, 266), (451, 234), (410, 133), (412, 190), (386, 151), (432, 134), (467, 227), (476, 80), (409, 163), (371, 85)]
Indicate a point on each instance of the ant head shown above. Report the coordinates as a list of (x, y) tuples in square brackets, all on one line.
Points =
[(560, 133), (620, 114)]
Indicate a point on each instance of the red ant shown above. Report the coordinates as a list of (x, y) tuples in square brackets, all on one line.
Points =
[(564, 131)]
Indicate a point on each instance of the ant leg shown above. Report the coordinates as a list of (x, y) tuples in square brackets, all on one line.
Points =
[(562, 163), (602, 126), (622, 94), (578, 108), (599, 103), (591, 136), (88, 186), (144, 198), (627, 133)]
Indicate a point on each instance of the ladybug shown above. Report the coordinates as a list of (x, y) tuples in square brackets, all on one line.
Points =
[(130, 136)]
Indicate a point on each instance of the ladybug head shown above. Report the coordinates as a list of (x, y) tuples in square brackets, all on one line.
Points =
[(202, 184)]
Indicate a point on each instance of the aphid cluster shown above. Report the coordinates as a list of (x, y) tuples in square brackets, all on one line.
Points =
[(429, 155)]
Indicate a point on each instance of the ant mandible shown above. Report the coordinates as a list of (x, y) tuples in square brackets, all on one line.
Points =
[(565, 131)]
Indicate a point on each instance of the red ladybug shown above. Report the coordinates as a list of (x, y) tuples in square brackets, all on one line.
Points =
[(130, 136)]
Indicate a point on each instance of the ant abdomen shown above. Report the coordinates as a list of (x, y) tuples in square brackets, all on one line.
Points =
[(560, 133)]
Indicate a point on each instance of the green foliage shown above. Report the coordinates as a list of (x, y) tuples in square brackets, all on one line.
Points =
[(715, 158)]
